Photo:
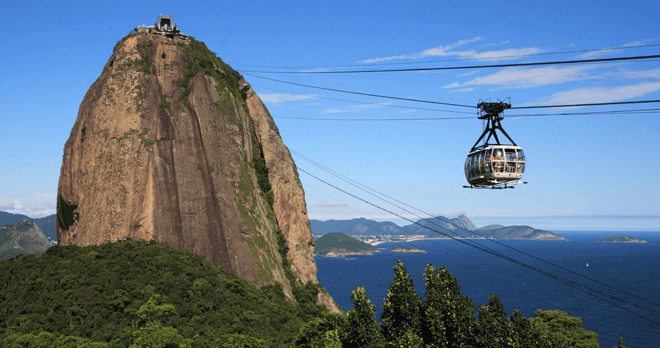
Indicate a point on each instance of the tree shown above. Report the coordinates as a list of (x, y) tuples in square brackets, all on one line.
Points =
[(401, 309), (564, 329), (622, 343), (527, 335), (152, 334), (494, 328), (364, 331), (238, 341), (447, 316), (321, 332)]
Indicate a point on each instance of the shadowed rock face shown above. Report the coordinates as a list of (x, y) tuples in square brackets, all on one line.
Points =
[(164, 148)]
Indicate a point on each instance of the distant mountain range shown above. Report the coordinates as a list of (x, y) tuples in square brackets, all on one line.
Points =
[(459, 226), (46, 224)]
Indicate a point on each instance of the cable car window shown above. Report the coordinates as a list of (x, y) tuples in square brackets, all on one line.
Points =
[(510, 155), (522, 167), (521, 154)]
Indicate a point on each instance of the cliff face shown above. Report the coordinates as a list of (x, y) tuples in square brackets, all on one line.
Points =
[(165, 147), (24, 237)]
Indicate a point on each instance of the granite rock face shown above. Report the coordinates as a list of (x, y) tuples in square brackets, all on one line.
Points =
[(165, 148), (289, 205)]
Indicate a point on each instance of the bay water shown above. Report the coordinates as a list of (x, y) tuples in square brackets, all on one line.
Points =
[(631, 267)]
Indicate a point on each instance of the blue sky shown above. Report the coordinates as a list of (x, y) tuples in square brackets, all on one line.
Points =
[(592, 172)]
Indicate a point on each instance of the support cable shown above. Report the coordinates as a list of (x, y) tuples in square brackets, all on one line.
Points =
[(454, 60), (450, 104), (591, 113), (510, 65), (351, 182), (359, 93)]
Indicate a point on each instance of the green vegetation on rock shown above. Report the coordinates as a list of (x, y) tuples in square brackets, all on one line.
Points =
[(340, 243)]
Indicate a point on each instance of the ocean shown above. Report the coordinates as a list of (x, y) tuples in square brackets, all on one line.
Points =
[(633, 268)]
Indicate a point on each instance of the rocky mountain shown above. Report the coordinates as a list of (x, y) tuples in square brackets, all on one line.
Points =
[(46, 223), (24, 237), (459, 226), (172, 144)]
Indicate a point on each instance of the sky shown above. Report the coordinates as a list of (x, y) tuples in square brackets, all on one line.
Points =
[(584, 172)]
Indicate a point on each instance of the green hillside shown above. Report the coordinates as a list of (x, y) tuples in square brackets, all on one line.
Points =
[(339, 242), (116, 294)]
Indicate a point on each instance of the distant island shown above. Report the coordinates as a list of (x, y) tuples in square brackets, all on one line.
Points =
[(405, 249), (440, 227), (621, 239), (337, 244)]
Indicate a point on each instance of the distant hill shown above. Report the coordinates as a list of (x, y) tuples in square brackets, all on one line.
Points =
[(490, 227), (354, 227), (46, 224), (460, 226), (518, 232), (621, 239), (24, 237), (339, 244)]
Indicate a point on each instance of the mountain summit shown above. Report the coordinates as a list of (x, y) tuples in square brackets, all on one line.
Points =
[(172, 144)]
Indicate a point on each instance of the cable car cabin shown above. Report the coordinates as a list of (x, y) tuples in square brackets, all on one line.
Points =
[(495, 166)]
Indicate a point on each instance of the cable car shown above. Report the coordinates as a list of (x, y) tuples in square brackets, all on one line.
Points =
[(494, 165)]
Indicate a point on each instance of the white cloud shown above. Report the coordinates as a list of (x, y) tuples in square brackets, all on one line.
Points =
[(639, 43), (601, 94), (36, 210), (331, 205), (640, 74), (453, 85), (526, 78), (432, 52), (279, 97), (469, 73), (462, 90), (508, 53), (594, 54), (448, 50)]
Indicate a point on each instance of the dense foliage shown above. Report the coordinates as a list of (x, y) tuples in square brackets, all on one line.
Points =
[(139, 294), (444, 318), (339, 241)]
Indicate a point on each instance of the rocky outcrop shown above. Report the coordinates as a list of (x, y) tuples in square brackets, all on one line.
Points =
[(165, 148), (24, 237), (289, 206)]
